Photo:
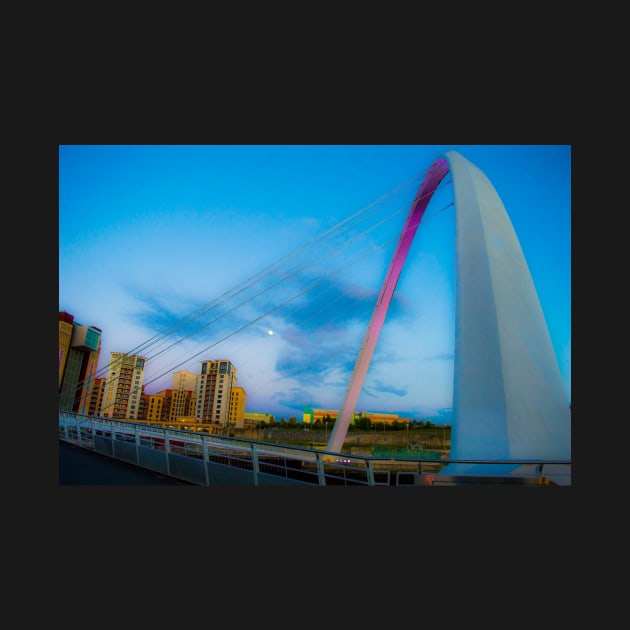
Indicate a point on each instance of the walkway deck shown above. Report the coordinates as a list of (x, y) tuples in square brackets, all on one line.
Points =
[(77, 466)]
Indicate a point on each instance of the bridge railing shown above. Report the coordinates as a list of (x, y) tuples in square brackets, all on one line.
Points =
[(208, 459)]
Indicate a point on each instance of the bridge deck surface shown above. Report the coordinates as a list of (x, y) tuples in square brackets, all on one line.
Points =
[(80, 467)]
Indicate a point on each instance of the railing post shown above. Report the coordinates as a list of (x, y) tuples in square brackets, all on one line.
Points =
[(135, 426), (113, 432), (255, 465), (370, 473), (206, 460), (321, 475), (79, 440), (167, 451)]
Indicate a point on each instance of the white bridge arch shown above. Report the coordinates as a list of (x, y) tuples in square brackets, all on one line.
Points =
[(509, 402)]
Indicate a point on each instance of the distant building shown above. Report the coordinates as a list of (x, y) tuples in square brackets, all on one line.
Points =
[(237, 407), (252, 419), (79, 351), (184, 403), (172, 405), (158, 406), (312, 415), (382, 418), (142, 410), (214, 392), (123, 387), (96, 397), (183, 380)]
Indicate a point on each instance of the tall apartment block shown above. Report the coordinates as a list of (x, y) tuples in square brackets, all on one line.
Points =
[(184, 402), (157, 406), (237, 407), (79, 350), (123, 386), (214, 392), (96, 397)]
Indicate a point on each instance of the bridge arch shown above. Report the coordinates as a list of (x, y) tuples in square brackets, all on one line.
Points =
[(508, 397)]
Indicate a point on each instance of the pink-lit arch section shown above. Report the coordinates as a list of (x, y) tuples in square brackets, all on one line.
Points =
[(509, 402), (431, 181)]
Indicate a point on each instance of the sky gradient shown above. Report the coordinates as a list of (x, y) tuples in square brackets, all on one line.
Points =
[(272, 256)]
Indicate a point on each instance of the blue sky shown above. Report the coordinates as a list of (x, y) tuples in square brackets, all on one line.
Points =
[(272, 256)]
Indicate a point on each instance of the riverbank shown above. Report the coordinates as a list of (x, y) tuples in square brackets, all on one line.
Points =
[(359, 442)]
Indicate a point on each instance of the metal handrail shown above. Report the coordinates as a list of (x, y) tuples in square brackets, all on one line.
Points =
[(327, 465)]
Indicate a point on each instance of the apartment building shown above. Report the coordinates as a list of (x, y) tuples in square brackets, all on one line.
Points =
[(123, 386), (217, 379), (237, 407), (156, 407), (96, 397), (184, 403), (79, 351)]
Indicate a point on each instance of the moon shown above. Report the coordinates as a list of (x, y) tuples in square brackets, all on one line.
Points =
[(270, 332)]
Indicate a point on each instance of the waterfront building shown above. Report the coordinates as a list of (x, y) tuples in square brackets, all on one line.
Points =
[(79, 351), (214, 392), (157, 406), (253, 419), (312, 415), (184, 395), (96, 397), (237, 407), (123, 387)]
